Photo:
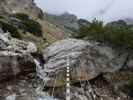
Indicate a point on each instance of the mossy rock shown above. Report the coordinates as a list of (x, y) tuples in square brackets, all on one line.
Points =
[(60, 82), (130, 87), (60, 79), (10, 28), (29, 24)]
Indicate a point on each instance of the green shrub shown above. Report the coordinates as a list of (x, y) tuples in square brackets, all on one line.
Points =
[(95, 30), (116, 33), (1, 17), (33, 27), (13, 30), (21, 16), (129, 88), (83, 32), (29, 24)]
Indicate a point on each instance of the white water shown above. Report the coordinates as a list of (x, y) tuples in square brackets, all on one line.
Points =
[(11, 97), (46, 98), (39, 69), (40, 73)]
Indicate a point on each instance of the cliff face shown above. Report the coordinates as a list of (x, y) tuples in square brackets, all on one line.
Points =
[(97, 72), (52, 32), (20, 6)]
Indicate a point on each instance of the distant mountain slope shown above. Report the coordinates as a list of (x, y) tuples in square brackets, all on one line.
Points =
[(65, 21), (129, 20)]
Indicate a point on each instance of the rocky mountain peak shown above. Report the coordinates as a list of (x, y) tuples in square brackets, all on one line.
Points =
[(129, 21), (68, 16)]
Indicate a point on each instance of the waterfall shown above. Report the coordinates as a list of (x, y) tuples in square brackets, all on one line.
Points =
[(40, 73), (39, 69), (46, 98)]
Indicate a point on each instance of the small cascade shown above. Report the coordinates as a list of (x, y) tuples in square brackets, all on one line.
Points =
[(46, 98), (40, 73), (39, 69)]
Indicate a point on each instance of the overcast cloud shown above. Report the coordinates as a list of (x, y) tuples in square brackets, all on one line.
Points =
[(104, 9)]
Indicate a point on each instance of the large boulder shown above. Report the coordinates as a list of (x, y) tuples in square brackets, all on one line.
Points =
[(13, 64), (22, 89), (15, 57), (12, 44), (87, 61)]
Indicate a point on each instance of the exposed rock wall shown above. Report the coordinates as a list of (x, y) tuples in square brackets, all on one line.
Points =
[(18, 70), (15, 57), (20, 6)]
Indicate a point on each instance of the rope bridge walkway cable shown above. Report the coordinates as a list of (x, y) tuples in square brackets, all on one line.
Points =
[(68, 79)]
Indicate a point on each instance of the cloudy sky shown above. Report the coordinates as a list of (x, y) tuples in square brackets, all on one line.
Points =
[(104, 9)]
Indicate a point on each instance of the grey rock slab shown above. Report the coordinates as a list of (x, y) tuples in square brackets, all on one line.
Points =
[(87, 60)]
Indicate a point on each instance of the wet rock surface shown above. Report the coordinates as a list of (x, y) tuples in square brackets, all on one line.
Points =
[(96, 71), (13, 64), (15, 57), (18, 70), (21, 88), (87, 60)]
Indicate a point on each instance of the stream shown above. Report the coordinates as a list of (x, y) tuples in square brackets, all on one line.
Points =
[(40, 73)]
